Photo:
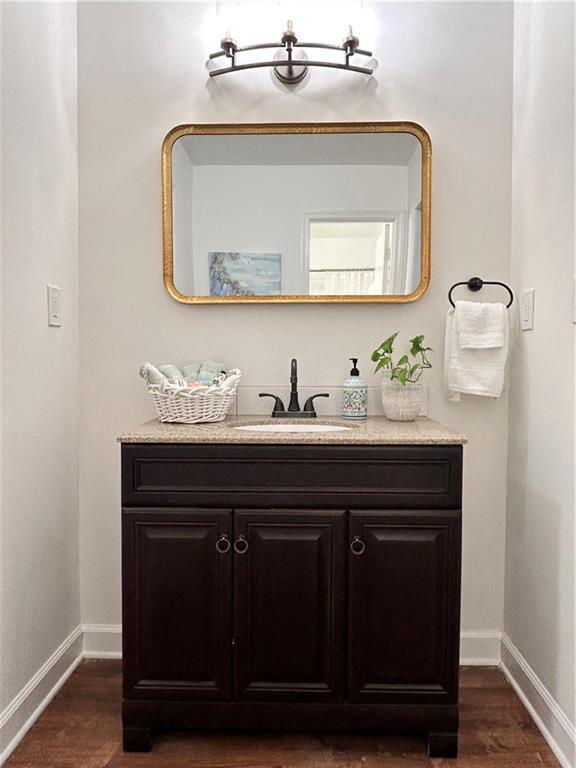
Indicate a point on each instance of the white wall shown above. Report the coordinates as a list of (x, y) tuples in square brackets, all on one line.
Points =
[(540, 599), (39, 443), (142, 71)]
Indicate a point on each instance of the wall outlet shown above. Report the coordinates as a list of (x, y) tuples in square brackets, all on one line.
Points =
[(54, 305), (527, 310)]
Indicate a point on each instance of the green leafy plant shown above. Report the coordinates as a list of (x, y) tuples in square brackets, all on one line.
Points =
[(404, 369)]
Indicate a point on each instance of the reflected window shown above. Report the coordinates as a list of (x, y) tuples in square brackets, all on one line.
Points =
[(353, 257)]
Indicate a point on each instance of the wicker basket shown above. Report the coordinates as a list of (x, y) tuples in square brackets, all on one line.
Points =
[(401, 402), (184, 406)]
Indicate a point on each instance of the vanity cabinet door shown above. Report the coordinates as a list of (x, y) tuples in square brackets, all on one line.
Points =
[(177, 574), (289, 605), (404, 607)]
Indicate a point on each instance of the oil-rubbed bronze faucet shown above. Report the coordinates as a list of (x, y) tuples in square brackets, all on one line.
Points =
[(294, 411)]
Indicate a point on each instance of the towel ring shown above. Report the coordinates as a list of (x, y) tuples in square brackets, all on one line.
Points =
[(476, 283)]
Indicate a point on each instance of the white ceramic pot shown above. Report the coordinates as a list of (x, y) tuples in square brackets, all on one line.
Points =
[(401, 402)]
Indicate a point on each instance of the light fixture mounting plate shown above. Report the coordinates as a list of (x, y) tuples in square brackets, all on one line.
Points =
[(294, 70)]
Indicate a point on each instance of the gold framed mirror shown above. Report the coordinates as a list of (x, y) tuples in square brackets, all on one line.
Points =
[(296, 212)]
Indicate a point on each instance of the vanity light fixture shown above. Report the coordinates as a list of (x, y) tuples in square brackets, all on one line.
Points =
[(290, 63)]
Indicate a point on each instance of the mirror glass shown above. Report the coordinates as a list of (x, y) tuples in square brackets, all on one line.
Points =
[(311, 216)]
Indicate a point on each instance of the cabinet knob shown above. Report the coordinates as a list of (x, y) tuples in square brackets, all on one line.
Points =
[(357, 546), (241, 545), (223, 545)]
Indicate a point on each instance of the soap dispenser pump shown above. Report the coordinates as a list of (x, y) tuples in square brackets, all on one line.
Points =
[(354, 394)]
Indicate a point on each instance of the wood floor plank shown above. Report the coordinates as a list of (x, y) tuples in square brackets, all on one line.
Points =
[(81, 728)]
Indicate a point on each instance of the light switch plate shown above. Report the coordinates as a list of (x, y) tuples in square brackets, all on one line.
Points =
[(527, 310), (54, 305)]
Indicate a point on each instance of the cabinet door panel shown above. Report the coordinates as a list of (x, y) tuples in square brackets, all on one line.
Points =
[(404, 607), (289, 609), (177, 604)]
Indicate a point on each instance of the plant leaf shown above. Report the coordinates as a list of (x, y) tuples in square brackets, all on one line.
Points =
[(388, 344), (382, 363), (416, 347)]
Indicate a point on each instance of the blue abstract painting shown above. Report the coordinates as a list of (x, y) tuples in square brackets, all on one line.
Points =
[(244, 274)]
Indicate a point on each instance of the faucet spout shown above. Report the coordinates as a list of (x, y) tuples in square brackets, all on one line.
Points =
[(294, 405), (293, 411), (294, 371)]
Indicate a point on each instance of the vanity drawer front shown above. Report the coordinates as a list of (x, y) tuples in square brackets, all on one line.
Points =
[(399, 477)]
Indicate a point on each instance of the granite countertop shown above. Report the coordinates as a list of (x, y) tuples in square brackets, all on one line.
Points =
[(376, 430)]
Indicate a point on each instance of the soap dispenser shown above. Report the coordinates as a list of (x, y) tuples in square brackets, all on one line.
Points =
[(354, 395)]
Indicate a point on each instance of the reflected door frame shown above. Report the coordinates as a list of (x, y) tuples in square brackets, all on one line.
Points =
[(399, 218), (413, 245)]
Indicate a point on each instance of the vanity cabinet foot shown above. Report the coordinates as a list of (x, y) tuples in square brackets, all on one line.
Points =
[(137, 739), (442, 745)]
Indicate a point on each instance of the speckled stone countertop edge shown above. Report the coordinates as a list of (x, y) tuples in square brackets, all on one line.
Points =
[(376, 430)]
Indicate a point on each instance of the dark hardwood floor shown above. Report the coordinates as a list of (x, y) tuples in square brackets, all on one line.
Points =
[(81, 729)]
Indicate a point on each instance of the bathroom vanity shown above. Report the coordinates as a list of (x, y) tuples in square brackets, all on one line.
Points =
[(282, 581)]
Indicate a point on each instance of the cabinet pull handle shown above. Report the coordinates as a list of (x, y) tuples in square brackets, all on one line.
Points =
[(357, 546), (223, 545), (241, 545)]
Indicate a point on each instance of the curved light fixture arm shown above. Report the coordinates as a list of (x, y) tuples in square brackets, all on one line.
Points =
[(290, 67)]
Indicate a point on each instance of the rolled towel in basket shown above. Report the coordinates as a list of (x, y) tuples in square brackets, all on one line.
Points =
[(152, 375), (230, 380), (211, 370), (172, 373), (190, 371)]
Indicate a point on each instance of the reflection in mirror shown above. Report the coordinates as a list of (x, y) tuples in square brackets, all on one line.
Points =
[(297, 214), (363, 258)]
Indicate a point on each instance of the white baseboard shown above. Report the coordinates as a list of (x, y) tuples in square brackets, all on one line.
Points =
[(102, 641), (25, 708), (481, 648), (549, 717)]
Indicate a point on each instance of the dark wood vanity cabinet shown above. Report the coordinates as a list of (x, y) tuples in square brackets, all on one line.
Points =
[(403, 606), (291, 587), (288, 605), (177, 594)]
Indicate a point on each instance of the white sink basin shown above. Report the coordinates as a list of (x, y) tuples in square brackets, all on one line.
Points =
[(292, 428)]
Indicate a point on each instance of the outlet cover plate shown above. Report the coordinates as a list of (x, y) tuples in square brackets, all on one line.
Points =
[(527, 310), (54, 305)]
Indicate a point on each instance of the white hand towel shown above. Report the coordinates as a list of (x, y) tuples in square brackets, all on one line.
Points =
[(480, 325), (478, 370)]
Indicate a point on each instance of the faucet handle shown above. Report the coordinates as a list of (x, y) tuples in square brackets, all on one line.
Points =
[(309, 404), (278, 404)]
